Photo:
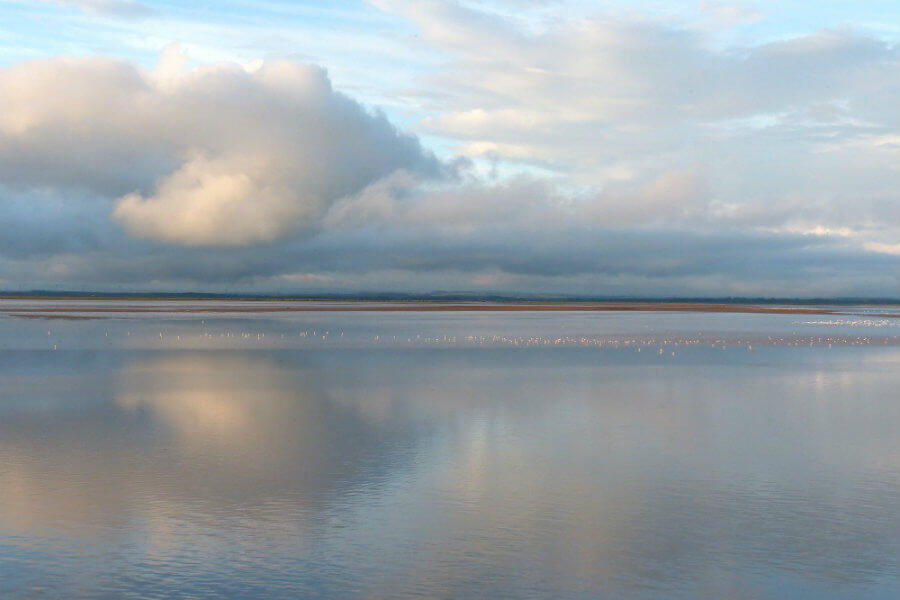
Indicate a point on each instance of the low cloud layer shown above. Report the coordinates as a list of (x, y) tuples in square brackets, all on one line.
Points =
[(512, 239)]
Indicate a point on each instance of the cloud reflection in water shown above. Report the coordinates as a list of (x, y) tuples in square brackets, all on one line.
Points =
[(448, 473)]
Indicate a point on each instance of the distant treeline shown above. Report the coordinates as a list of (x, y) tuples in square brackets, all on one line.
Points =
[(439, 297)]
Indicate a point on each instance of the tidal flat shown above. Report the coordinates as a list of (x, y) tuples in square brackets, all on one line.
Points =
[(227, 449)]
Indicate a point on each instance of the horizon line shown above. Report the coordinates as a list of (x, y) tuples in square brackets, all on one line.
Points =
[(442, 296)]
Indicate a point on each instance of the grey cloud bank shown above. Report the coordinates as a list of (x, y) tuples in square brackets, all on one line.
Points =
[(491, 257)]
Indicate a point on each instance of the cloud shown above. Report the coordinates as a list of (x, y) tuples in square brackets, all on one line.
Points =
[(893, 249), (120, 9), (217, 203), (728, 14), (611, 153), (676, 197), (212, 156), (509, 238), (613, 97), (515, 236)]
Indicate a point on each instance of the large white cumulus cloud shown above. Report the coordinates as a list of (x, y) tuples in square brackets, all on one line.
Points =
[(212, 156)]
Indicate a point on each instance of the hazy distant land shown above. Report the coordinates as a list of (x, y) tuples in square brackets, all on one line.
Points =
[(17, 305)]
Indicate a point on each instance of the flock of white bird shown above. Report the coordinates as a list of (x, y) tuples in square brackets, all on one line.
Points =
[(188, 337)]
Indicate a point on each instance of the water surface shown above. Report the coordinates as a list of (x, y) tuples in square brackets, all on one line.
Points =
[(450, 455)]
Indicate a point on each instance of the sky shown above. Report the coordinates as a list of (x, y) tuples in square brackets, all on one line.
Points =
[(525, 147)]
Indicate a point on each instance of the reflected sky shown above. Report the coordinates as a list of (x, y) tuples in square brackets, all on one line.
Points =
[(449, 472)]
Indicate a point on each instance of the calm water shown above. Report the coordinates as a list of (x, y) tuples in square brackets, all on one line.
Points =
[(449, 455)]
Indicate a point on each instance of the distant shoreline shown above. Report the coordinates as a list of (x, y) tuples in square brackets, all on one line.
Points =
[(455, 298), (220, 306)]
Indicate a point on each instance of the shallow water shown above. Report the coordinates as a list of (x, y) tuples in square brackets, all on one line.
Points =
[(450, 455)]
